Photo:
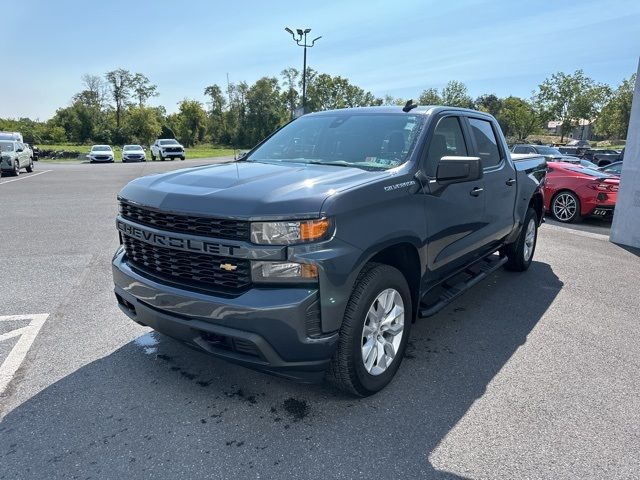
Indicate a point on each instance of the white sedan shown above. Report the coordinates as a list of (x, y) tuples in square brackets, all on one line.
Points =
[(101, 153), (133, 153)]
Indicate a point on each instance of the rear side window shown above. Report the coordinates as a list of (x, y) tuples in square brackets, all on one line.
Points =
[(486, 142)]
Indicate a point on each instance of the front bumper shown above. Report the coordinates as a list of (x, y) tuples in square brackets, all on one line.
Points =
[(101, 160), (262, 328), (6, 163), (172, 154), (134, 159)]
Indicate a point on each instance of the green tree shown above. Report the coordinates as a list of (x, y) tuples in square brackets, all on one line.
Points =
[(518, 118), (190, 123), (290, 78), (570, 98), (143, 89), (430, 96), (454, 94), (265, 111), (613, 121), (489, 103), (325, 92), (217, 104), (142, 125), (121, 83)]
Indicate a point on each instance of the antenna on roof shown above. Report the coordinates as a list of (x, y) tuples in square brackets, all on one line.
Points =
[(409, 106)]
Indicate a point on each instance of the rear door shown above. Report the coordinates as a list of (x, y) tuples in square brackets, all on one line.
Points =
[(454, 216), (499, 177)]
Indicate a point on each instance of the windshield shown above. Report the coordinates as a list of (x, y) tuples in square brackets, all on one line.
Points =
[(548, 151), (372, 141), (168, 142), (6, 146), (101, 148), (128, 148)]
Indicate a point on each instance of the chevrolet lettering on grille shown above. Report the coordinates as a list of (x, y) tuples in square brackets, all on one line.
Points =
[(178, 243)]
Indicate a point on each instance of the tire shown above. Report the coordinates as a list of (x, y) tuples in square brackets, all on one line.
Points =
[(30, 166), (565, 207), (153, 157), (347, 369), (182, 158), (161, 157), (16, 168), (520, 253)]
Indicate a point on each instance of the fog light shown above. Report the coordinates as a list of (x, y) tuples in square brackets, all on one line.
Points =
[(283, 272)]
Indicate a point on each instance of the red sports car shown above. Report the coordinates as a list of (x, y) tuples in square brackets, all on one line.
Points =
[(572, 192)]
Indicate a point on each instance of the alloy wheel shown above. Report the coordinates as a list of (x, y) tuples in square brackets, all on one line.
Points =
[(382, 331), (529, 240), (565, 207)]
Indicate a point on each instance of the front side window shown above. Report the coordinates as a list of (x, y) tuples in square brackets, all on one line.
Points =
[(447, 141), (486, 142), (370, 142)]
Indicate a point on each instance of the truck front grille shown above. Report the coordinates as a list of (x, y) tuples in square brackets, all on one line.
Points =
[(197, 225), (187, 269)]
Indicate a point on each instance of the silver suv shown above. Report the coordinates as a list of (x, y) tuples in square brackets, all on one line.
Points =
[(14, 156)]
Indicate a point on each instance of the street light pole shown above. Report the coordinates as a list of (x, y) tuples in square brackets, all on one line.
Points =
[(300, 37)]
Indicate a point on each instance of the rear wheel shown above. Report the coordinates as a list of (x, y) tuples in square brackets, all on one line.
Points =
[(520, 253), (565, 207), (374, 331)]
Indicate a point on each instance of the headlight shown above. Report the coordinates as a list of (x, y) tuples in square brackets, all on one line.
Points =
[(287, 233), (283, 272)]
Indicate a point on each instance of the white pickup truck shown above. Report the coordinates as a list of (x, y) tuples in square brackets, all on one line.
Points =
[(166, 148)]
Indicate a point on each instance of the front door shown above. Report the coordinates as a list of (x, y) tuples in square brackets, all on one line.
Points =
[(455, 217)]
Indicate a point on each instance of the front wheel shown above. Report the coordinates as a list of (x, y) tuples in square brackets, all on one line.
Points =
[(374, 331), (30, 166), (565, 207), (16, 168), (520, 253)]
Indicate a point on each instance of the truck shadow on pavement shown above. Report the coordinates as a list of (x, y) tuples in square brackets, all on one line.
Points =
[(155, 409)]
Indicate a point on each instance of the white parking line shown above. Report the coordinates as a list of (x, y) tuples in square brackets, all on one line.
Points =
[(25, 178), (17, 354)]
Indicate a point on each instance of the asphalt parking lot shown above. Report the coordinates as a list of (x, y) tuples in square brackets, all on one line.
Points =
[(531, 375)]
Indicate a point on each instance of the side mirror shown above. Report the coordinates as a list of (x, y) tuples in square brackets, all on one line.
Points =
[(458, 170), (20, 150)]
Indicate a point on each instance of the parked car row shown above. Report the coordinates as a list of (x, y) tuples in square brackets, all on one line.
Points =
[(161, 149), (600, 156), (578, 186)]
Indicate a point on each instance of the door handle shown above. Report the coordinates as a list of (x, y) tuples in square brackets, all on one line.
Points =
[(476, 191), (511, 182)]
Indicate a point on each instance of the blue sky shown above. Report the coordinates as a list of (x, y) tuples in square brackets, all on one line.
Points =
[(388, 47)]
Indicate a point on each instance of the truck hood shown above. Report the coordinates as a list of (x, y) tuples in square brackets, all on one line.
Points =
[(247, 190)]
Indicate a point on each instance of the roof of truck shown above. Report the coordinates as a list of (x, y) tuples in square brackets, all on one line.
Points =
[(424, 110)]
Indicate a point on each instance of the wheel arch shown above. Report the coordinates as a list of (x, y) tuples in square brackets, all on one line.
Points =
[(537, 203), (404, 256)]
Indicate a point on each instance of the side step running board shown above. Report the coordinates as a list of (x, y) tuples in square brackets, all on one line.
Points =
[(476, 273)]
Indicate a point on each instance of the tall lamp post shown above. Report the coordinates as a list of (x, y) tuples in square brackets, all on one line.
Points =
[(300, 37)]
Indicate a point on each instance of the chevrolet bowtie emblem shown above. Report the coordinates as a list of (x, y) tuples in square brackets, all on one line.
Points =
[(228, 267)]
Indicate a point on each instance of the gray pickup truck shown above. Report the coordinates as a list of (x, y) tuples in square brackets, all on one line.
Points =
[(314, 253)]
